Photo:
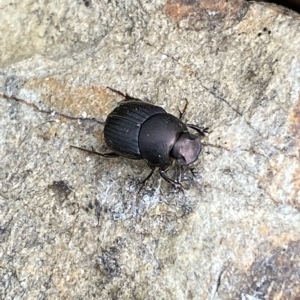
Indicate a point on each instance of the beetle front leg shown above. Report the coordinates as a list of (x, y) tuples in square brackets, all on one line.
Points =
[(182, 113), (174, 183), (142, 183), (109, 154), (201, 130), (148, 176)]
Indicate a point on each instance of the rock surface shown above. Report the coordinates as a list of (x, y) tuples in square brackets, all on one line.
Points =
[(72, 225)]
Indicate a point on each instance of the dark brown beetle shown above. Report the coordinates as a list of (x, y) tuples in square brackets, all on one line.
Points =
[(140, 130)]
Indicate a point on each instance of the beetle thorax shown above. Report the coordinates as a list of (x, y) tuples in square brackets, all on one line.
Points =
[(157, 137)]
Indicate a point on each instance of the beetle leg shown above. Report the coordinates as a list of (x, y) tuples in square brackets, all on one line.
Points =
[(109, 154), (126, 96), (182, 113), (148, 176), (194, 172), (175, 184), (116, 91), (178, 172), (142, 183), (201, 130)]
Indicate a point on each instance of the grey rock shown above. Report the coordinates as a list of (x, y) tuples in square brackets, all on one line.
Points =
[(72, 225)]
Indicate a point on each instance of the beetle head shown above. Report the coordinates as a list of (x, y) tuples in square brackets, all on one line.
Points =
[(186, 149)]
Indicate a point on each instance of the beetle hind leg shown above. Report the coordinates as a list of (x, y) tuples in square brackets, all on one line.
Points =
[(126, 96), (109, 154)]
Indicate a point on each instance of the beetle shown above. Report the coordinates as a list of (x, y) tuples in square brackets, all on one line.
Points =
[(139, 130)]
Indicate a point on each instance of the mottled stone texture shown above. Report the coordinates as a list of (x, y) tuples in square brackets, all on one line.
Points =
[(72, 225)]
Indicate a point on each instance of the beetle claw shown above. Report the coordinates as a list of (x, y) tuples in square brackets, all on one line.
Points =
[(177, 185), (194, 172)]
